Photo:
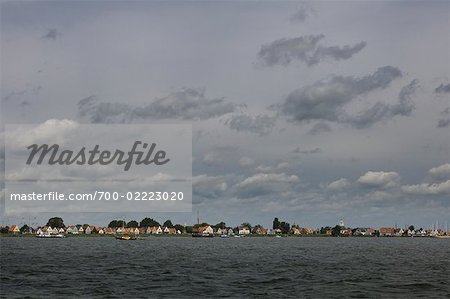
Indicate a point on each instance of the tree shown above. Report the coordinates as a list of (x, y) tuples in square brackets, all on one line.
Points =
[(411, 227), (117, 223), (4, 230), (220, 225), (168, 223), (133, 223), (25, 229), (323, 230), (276, 223), (179, 227), (188, 229), (285, 227), (336, 231), (146, 222), (56, 222)]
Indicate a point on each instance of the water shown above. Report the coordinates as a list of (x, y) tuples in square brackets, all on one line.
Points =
[(244, 267)]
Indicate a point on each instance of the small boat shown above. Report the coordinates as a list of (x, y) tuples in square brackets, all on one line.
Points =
[(277, 236), (50, 236), (224, 236), (125, 237), (237, 236)]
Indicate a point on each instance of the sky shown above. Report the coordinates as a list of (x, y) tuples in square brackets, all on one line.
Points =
[(306, 111)]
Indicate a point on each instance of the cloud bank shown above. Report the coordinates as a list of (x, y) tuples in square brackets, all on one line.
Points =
[(306, 49)]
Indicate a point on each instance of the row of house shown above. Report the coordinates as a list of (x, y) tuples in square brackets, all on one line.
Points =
[(243, 230), (151, 230), (390, 232), (240, 230)]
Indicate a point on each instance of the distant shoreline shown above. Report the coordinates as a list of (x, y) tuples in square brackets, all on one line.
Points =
[(190, 236)]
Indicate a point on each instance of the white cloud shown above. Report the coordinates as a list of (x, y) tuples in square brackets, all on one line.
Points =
[(53, 130), (379, 179), (339, 185), (246, 162), (265, 183), (442, 171)]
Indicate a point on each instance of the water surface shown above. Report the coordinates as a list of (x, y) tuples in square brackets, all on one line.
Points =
[(233, 267)]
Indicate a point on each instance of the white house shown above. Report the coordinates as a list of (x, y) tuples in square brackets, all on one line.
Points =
[(243, 230), (72, 230), (154, 230), (204, 230), (88, 230)]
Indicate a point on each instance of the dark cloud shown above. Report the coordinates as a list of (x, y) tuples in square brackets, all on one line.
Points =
[(260, 124), (306, 49), (316, 150), (444, 122), (14, 95), (381, 111), (319, 128), (186, 104), (325, 99), (210, 187), (302, 14), (52, 34), (442, 88)]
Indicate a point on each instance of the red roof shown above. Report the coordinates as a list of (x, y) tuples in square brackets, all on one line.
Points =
[(387, 230)]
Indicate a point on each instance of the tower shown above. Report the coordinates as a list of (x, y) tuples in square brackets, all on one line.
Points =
[(341, 222)]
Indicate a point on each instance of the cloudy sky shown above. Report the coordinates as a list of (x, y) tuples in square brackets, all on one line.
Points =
[(305, 111)]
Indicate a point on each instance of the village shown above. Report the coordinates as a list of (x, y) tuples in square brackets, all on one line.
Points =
[(149, 227)]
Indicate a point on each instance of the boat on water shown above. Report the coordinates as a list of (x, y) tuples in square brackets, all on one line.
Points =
[(202, 235), (441, 237), (125, 237), (224, 236), (50, 236)]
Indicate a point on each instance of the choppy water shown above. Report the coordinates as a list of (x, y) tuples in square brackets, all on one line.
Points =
[(244, 267)]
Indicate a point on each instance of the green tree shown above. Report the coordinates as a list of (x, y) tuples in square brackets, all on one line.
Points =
[(220, 225), (276, 223), (323, 230), (146, 222), (4, 230), (188, 229), (133, 223), (168, 223), (285, 227), (117, 223), (411, 227), (25, 229), (56, 222), (179, 227), (336, 231)]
